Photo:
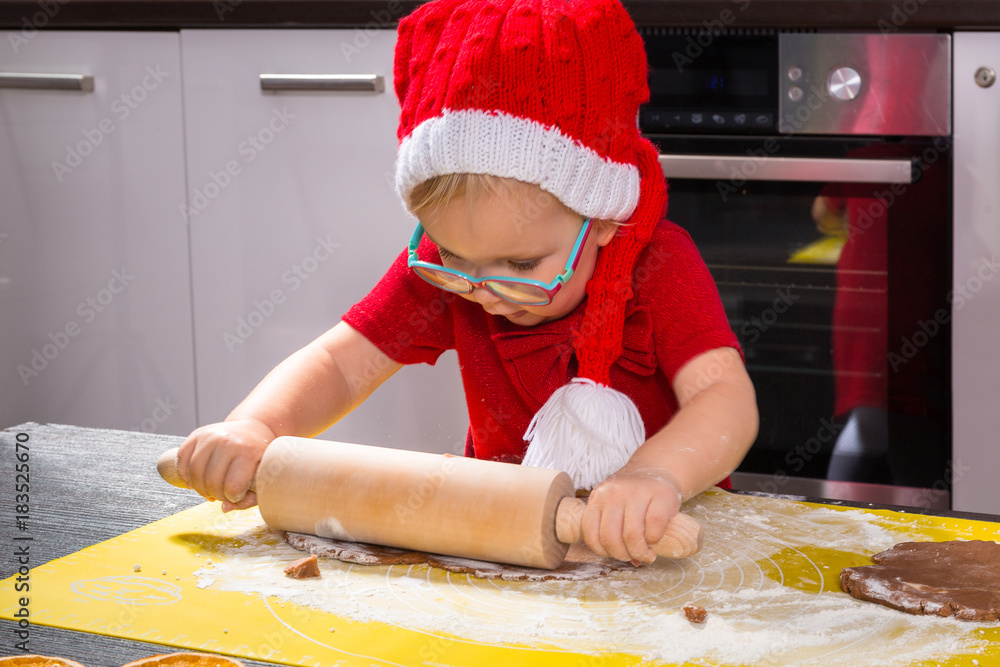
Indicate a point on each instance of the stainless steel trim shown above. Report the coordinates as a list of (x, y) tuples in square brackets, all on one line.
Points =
[(900, 84), (819, 170), (975, 366), (82, 82), (373, 83)]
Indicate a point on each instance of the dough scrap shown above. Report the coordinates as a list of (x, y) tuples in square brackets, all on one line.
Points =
[(960, 578), (581, 563), (695, 613), (303, 568)]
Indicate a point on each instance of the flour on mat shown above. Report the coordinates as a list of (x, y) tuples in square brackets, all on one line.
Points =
[(756, 612)]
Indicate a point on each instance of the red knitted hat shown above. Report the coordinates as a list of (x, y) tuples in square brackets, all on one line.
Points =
[(546, 92)]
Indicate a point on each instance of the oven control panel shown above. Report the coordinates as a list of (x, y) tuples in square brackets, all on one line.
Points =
[(867, 84), (797, 83)]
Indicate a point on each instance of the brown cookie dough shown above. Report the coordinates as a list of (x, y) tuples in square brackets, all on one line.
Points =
[(694, 613), (957, 578), (581, 563), (303, 568)]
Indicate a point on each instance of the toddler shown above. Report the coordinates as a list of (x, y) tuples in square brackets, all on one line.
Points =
[(590, 335)]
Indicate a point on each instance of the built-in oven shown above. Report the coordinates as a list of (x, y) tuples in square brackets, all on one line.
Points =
[(813, 171)]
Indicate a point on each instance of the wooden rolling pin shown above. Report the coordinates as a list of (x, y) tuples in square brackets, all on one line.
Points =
[(443, 504)]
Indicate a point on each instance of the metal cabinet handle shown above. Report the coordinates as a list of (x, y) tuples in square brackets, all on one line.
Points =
[(819, 170), (83, 82), (373, 83)]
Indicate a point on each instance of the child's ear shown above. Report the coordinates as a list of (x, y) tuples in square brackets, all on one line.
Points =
[(605, 231)]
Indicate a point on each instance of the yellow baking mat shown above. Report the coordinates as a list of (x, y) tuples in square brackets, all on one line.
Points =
[(768, 575)]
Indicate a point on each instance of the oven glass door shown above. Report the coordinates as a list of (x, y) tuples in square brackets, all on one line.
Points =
[(833, 261)]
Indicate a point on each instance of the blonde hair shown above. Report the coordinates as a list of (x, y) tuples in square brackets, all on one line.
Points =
[(476, 188)]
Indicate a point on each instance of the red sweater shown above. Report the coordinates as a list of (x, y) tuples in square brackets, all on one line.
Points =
[(509, 371)]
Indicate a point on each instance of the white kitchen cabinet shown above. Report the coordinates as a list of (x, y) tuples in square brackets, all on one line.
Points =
[(293, 219), (95, 317), (976, 309)]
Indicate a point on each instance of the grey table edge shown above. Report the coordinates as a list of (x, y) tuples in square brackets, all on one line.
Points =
[(86, 486)]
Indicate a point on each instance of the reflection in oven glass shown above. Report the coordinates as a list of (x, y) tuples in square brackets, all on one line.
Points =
[(838, 294)]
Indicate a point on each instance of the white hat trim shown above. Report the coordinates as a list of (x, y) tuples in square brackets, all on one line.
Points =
[(491, 142)]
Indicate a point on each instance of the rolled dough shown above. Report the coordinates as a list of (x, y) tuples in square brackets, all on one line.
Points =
[(960, 578), (581, 563)]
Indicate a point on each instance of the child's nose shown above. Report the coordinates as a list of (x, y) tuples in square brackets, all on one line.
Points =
[(484, 297)]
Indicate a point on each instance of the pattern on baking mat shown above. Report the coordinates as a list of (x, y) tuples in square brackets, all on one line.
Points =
[(771, 593), (128, 590)]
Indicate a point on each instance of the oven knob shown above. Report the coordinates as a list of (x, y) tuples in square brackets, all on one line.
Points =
[(844, 83)]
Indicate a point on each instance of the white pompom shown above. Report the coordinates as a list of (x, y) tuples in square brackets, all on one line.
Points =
[(585, 429)]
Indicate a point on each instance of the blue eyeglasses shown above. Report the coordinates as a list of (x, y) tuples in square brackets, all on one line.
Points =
[(523, 291)]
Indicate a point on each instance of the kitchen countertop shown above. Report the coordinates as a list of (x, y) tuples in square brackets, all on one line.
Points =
[(875, 15), (88, 486)]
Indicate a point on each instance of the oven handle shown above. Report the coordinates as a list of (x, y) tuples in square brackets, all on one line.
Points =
[(807, 169)]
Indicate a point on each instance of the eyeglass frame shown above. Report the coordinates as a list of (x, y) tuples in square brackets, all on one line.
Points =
[(550, 289)]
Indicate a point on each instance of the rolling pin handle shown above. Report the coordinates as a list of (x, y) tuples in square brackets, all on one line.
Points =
[(569, 520), (684, 536), (166, 465)]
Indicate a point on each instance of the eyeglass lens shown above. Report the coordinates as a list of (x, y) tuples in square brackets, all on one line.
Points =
[(444, 280), (516, 292)]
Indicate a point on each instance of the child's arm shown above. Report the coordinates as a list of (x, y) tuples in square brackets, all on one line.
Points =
[(303, 395), (707, 438)]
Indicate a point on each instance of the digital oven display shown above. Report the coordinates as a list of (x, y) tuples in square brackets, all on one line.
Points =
[(736, 83), (701, 83)]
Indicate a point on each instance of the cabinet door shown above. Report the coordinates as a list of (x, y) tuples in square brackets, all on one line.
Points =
[(94, 273), (976, 304), (293, 219)]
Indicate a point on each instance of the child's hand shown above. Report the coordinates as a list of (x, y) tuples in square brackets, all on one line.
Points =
[(219, 461), (628, 512)]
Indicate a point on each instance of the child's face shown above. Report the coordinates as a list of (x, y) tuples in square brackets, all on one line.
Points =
[(527, 237)]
